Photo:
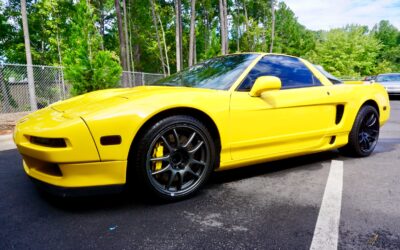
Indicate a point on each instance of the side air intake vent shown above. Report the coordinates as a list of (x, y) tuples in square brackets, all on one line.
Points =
[(339, 113)]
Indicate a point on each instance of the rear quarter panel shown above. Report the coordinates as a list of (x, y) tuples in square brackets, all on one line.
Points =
[(354, 96)]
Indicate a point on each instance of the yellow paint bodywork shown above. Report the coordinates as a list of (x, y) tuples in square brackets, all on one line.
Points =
[(278, 124)]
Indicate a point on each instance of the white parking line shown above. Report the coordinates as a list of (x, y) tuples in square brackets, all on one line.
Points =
[(326, 233)]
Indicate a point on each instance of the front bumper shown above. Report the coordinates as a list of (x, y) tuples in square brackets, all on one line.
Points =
[(73, 175), (50, 124), (73, 164)]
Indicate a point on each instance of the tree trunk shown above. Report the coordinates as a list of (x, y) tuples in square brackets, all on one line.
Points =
[(122, 43), (165, 44), (88, 38), (264, 46), (238, 38), (126, 35), (178, 35), (195, 52), (128, 65), (237, 24), (272, 26), (247, 26), (224, 26), (131, 56), (192, 39), (132, 62), (153, 12), (58, 38), (29, 69), (102, 28), (206, 28)]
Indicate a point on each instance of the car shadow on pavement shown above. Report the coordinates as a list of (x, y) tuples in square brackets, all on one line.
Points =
[(88, 203), (137, 199), (301, 162)]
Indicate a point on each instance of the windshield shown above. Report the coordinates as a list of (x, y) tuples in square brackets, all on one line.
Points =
[(388, 78), (330, 77), (216, 73)]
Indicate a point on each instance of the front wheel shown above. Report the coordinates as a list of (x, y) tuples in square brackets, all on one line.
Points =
[(364, 135), (174, 157)]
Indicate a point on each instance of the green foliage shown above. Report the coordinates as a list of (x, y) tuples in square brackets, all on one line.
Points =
[(389, 36), (350, 51), (88, 68), (291, 37), (66, 32)]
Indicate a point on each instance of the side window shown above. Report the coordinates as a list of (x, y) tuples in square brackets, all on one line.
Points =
[(292, 72)]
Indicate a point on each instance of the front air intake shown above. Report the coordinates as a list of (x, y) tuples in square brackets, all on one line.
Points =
[(48, 142)]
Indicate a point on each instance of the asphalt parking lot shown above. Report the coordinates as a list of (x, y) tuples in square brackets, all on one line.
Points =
[(269, 206)]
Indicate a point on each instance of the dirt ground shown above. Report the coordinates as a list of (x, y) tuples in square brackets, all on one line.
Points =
[(7, 121)]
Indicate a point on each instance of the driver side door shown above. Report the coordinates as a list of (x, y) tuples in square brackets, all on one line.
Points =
[(291, 119)]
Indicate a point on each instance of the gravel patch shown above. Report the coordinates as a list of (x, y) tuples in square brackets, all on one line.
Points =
[(7, 121)]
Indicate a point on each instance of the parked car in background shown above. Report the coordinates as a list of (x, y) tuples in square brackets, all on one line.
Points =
[(390, 81), (369, 78)]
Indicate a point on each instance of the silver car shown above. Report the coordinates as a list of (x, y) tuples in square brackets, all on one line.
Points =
[(390, 81)]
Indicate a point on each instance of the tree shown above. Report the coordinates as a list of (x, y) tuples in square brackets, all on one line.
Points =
[(157, 34), (389, 36), (126, 35), (192, 41), (29, 69), (223, 13), (272, 25), (201, 31), (122, 43), (178, 34), (350, 51), (165, 45), (87, 66)]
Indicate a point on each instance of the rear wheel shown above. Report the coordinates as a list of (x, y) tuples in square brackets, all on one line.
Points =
[(365, 132), (174, 157)]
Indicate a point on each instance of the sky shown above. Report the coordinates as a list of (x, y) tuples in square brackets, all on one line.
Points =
[(327, 14)]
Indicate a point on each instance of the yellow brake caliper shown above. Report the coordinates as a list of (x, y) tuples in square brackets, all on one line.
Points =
[(157, 153)]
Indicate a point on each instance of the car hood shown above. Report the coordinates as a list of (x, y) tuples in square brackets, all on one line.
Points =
[(105, 99)]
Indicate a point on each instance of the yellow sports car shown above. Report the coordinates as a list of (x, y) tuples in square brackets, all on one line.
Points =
[(227, 112)]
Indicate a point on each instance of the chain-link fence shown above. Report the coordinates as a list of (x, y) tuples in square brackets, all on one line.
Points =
[(49, 85), (139, 78)]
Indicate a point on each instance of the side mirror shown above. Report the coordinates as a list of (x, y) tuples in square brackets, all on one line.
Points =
[(264, 83)]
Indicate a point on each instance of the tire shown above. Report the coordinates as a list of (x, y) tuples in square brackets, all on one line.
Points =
[(364, 135), (174, 158)]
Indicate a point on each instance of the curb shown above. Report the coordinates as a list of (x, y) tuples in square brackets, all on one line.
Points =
[(6, 138), (7, 142)]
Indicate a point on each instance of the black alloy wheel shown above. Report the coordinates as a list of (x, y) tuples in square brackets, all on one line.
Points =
[(365, 133), (369, 132), (175, 157)]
